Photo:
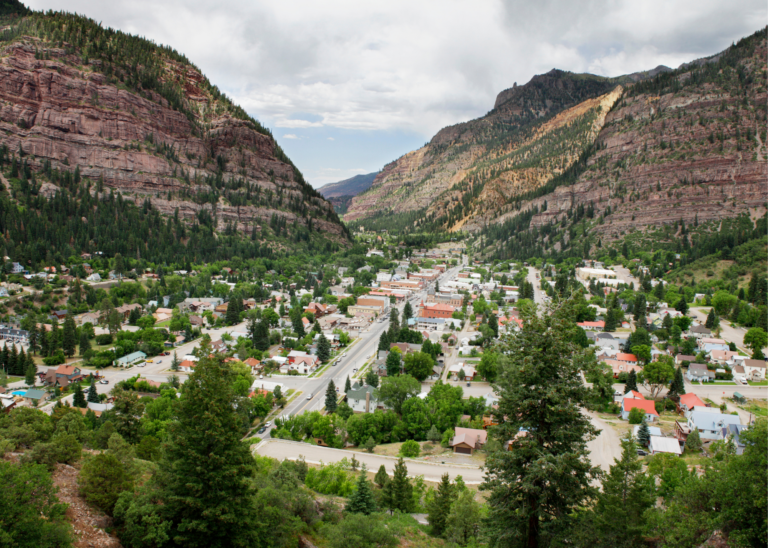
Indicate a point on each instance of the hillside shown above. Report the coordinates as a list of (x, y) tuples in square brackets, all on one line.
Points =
[(340, 194), (89, 107), (616, 154)]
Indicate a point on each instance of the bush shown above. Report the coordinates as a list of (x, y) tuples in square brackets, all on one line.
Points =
[(659, 405), (330, 479), (410, 448), (636, 415), (102, 479), (447, 437), (106, 338), (363, 531), (57, 359), (65, 449)]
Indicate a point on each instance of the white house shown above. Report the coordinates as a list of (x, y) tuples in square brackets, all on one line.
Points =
[(93, 277), (755, 369), (699, 372), (627, 404), (710, 425), (361, 399), (708, 344), (664, 445)]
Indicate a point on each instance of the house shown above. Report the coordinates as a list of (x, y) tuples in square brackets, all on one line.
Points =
[(722, 357), (680, 358), (62, 376), (654, 430), (699, 331), (755, 369), (130, 359), (664, 445), (219, 346), (468, 440), (618, 367), (592, 326), (699, 372), (469, 371), (629, 359), (187, 366), (739, 373), (687, 402), (710, 425), (361, 400), (88, 317), (34, 396), (431, 324), (733, 432), (93, 277), (7, 402), (254, 364), (627, 404), (196, 321), (708, 344)]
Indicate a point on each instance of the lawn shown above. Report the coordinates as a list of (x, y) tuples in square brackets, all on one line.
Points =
[(758, 383), (756, 407)]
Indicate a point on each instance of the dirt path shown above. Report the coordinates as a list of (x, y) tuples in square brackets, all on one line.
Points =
[(606, 447)]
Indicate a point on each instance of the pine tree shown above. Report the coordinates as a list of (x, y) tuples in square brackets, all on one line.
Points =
[(323, 348), (618, 518), (206, 466), (381, 478), (610, 321), (631, 382), (93, 396), (371, 378), (677, 388), (347, 385), (362, 500), (384, 342), (440, 506), (407, 312), (12, 358), (370, 444), (493, 323), (4, 356), (331, 399), (644, 434), (394, 325), (85, 343), (393, 364), (434, 435), (401, 494), (541, 391), (175, 362), (69, 336), (79, 399), (30, 374), (33, 338)]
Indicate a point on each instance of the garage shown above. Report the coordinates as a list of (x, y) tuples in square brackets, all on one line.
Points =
[(462, 449)]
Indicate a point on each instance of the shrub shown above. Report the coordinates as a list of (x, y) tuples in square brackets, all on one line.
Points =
[(102, 479), (330, 479), (410, 448), (659, 405), (636, 415), (106, 338)]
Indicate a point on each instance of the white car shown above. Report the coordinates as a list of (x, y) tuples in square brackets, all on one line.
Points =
[(310, 396)]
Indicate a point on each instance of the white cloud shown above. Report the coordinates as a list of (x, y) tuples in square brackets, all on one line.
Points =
[(290, 136), (331, 139)]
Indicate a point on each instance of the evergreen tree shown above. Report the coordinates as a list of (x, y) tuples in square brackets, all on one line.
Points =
[(394, 325), (85, 343), (297, 321), (434, 435), (463, 523), (644, 434), (79, 399), (175, 362), (407, 312), (30, 375), (371, 378), (384, 342), (493, 323), (682, 306), (535, 488), (711, 322), (205, 477), (631, 382), (393, 364), (677, 388), (370, 444), (347, 385), (610, 321), (4, 356), (69, 336), (617, 520), (93, 396), (259, 331), (362, 500), (381, 478), (33, 338), (331, 399), (400, 496), (12, 359), (440, 505), (323, 348)]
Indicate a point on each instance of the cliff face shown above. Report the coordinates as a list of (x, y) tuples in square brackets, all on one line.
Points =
[(636, 151), (174, 139), (436, 177)]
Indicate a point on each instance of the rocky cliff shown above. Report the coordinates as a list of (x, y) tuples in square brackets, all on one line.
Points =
[(142, 120), (635, 151)]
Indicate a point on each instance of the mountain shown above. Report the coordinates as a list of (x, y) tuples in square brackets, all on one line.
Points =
[(635, 151), (348, 187), (340, 194), (121, 114)]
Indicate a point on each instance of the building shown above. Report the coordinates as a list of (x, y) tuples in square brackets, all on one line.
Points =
[(627, 404), (62, 376), (699, 332), (34, 396), (754, 369), (361, 400), (664, 445), (438, 310), (710, 425), (592, 326), (468, 440), (431, 324), (687, 402), (699, 372), (130, 359), (708, 344), (369, 304)]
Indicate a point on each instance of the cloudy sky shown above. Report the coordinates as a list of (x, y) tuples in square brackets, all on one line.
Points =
[(347, 86)]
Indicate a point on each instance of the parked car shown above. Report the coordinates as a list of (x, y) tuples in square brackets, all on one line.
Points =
[(267, 424), (642, 453), (310, 396), (150, 361), (262, 429), (469, 384), (104, 381)]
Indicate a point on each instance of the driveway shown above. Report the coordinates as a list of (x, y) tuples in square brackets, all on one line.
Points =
[(606, 447)]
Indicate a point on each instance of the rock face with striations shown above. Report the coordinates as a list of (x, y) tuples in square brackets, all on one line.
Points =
[(57, 106)]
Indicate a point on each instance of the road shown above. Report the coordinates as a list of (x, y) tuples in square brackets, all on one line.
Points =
[(292, 450), (624, 276), (606, 447), (538, 293), (727, 331)]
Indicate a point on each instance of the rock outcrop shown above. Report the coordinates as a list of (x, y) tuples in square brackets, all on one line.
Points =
[(62, 109)]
